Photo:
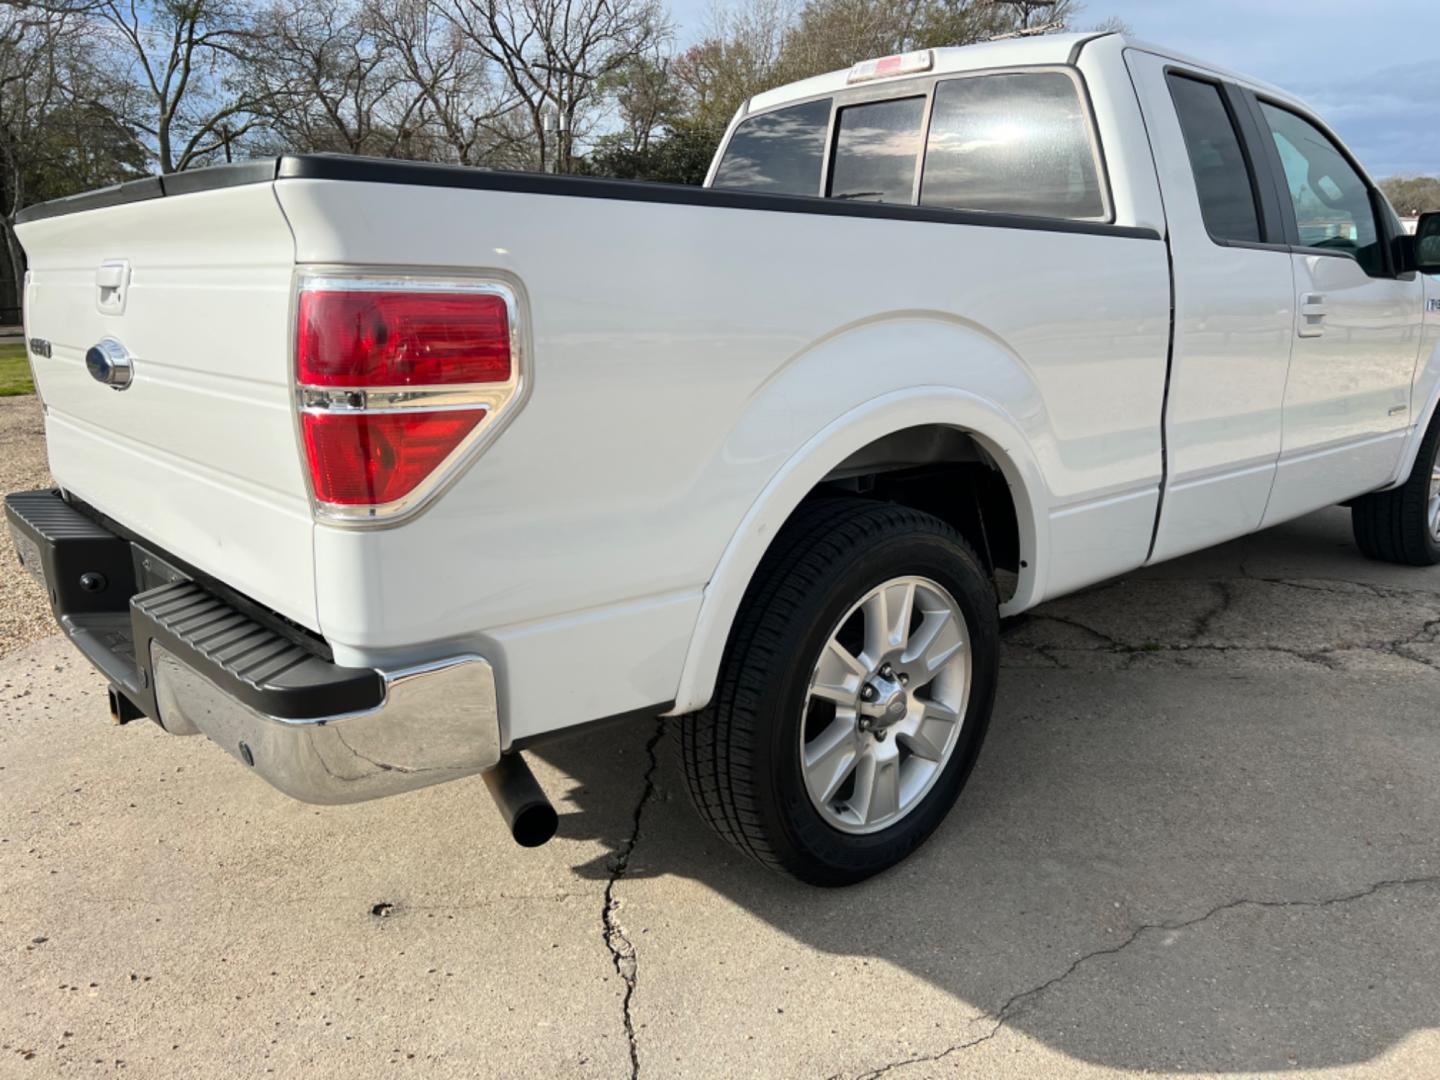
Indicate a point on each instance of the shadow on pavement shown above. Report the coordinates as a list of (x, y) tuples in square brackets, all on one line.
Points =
[(1204, 832)]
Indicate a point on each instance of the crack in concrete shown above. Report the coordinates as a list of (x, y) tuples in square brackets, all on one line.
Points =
[(1001, 1016), (621, 949), (1225, 598), (1324, 656)]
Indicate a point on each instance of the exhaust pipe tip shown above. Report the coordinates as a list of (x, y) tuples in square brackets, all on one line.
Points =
[(535, 825), (528, 814)]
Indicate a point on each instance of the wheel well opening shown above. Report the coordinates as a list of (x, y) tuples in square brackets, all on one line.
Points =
[(942, 471)]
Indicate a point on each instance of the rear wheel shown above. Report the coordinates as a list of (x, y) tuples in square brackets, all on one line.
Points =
[(853, 696), (1403, 525)]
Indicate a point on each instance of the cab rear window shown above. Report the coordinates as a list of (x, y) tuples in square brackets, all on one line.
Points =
[(779, 153), (877, 148), (1012, 143)]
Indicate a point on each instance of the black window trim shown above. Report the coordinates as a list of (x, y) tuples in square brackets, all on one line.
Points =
[(1267, 209), (1383, 224), (924, 86)]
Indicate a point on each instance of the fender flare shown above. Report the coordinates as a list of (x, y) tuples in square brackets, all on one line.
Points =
[(979, 417), (1429, 373)]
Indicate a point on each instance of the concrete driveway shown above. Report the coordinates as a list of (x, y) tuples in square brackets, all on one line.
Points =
[(1204, 837)]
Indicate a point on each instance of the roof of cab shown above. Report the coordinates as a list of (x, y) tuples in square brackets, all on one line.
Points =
[(1037, 50), (1007, 52)]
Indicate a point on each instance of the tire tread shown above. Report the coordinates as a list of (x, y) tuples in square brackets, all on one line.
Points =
[(717, 745), (1393, 526)]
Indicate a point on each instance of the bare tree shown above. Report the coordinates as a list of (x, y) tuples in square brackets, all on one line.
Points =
[(184, 61), (27, 86), (1031, 15), (53, 142), (322, 76), (1413, 195), (450, 104), (648, 97), (499, 83), (554, 57), (833, 34), (739, 57)]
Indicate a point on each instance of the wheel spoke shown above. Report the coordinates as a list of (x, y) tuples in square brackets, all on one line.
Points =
[(838, 675), (830, 757), (939, 639), (887, 620), (932, 733), (877, 788)]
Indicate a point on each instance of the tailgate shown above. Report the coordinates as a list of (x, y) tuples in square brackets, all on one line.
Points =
[(198, 455)]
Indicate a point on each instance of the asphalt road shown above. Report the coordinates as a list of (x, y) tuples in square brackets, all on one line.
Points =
[(1204, 837)]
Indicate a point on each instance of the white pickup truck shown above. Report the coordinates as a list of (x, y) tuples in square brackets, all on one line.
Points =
[(378, 473)]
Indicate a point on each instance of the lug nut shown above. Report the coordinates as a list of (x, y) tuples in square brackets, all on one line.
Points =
[(868, 693), (904, 679)]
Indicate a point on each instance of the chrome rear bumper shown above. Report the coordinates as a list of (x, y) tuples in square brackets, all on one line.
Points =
[(437, 722), (196, 662)]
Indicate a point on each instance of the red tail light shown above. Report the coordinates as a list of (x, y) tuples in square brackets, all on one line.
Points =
[(369, 459), (402, 339), (398, 380)]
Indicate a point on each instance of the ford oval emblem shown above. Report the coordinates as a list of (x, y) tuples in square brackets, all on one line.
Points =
[(110, 363)]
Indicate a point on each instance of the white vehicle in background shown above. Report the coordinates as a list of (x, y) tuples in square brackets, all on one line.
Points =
[(378, 473)]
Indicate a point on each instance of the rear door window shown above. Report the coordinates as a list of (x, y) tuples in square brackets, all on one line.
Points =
[(1012, 143), (877, 150), (779, 153), (1222, 174)]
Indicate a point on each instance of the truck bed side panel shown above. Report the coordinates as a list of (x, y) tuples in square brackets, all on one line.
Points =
[(682, 354)]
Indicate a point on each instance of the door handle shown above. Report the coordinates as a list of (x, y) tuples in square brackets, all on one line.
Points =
[(1312, 315)]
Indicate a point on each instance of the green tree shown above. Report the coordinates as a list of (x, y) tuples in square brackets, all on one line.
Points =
[(679, 154)]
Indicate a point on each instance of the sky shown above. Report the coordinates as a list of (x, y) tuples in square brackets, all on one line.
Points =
[(1369, 67)]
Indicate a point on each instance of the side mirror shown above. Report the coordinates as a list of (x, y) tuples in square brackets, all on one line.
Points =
[(1427, 244)]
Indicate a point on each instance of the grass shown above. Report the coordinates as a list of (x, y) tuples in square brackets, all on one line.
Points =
[(14, 371)]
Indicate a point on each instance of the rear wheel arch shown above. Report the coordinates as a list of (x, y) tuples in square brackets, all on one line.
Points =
[(843, 451), (832, 785)]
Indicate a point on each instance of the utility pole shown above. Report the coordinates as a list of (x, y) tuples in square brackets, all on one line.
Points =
[(555, 125)]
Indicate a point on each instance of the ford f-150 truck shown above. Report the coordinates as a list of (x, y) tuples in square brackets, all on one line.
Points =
[(378, 473)]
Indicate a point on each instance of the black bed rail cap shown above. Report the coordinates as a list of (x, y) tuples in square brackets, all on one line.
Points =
[(259, 171)]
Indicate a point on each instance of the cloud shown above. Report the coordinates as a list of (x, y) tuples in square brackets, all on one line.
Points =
[(1385, 116), (1368, 69)]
